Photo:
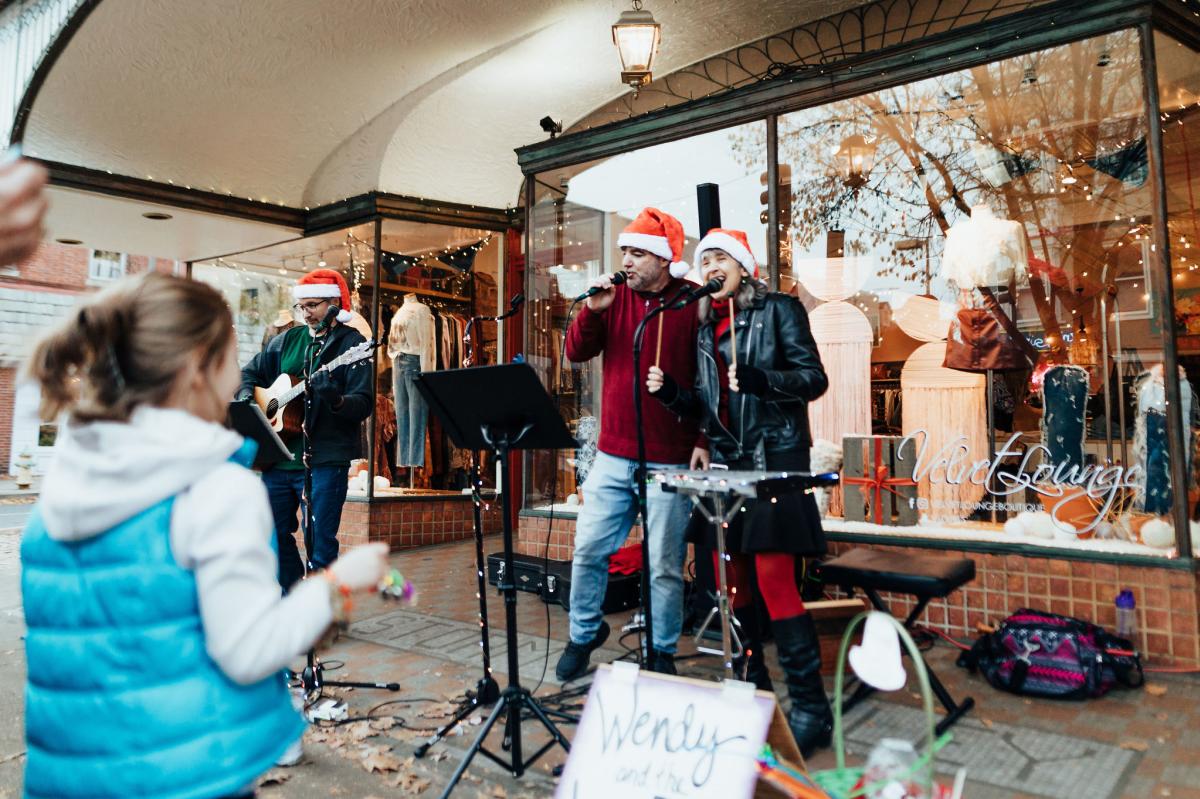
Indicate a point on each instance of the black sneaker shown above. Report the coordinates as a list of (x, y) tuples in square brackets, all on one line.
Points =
[(664, 663), (574, 660)]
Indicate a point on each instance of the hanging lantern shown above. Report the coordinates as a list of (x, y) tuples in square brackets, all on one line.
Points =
[(855, 157), (636, 36)]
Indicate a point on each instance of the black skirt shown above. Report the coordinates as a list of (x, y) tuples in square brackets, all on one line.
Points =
[(792, 523)]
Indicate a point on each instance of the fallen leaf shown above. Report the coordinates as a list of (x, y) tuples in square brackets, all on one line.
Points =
[(499, 793), (987, 723), (1162, 716), (381, 760), (385, 723), (1136, 746), (359, 731), (275, 776), (336, 791), (438, 757), (1155, 689), (476, 721), (411, 783)]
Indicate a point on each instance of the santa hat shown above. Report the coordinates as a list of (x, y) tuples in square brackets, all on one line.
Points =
[(659, 233), (732, 242), (325, 284)]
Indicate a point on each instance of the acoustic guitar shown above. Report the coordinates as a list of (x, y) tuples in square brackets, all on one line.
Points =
[(275, 400)]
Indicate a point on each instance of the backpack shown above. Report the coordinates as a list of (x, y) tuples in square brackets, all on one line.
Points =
[(1036, 653)]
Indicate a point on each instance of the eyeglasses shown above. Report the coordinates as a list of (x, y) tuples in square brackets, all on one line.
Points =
[(309, 306)]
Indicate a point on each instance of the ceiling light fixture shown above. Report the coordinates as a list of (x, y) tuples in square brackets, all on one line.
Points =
[(157, 216), (69, 242), (855, 157), (637, 36)]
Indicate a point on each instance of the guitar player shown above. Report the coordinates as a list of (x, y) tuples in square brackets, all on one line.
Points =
[(342, 402)]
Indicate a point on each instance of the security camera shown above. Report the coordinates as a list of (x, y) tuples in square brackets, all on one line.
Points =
[(550, 126)]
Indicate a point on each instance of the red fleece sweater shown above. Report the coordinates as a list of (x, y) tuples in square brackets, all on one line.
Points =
[(669, 438)]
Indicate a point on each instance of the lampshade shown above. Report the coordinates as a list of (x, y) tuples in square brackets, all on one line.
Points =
[(636, 36), (922, 317), (876, 660), (834, 278), (855, 157)]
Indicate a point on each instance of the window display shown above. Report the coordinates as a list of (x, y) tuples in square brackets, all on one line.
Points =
[(1179, 104), (434, 278), (979, 272), (577, 215)]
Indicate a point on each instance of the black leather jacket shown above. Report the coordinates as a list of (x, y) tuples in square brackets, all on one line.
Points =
[(774, 336)]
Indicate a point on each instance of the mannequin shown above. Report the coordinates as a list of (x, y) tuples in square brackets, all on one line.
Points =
[(985, 250), (411, 348), (983, 253)]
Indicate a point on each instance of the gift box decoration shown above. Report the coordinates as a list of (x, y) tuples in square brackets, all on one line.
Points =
[(877, 480)]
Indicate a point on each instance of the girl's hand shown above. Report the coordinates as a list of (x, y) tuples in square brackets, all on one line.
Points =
[(361, 568), (700, 459), (733, 381)]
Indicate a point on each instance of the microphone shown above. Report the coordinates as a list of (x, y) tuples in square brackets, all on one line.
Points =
[(711, 287), (330, 315), (617, 279)]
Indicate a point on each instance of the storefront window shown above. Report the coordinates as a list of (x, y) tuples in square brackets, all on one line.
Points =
[(577, 216), (453, 273), (1179, 103), (974, 251)]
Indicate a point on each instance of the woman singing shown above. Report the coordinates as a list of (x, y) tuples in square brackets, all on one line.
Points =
[(754, 403)]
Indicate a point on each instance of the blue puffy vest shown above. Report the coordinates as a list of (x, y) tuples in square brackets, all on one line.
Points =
[(122, 699)]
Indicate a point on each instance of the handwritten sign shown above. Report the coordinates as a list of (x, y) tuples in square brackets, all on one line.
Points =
[(646, 735)]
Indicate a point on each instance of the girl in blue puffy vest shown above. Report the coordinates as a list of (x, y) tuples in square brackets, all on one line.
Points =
[(156, 632)]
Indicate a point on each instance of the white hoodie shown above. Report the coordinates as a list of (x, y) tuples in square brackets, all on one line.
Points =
[(221, 528)]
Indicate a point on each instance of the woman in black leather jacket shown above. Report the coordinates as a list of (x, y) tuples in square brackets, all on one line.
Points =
[(756, 417)]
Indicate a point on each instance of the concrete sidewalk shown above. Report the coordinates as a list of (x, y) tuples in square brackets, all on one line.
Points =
[(1128, 744)]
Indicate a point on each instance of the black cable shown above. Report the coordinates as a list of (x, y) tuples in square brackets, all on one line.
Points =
[(562, 359)]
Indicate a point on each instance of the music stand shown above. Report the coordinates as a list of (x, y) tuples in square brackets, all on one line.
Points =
[(503, 409)]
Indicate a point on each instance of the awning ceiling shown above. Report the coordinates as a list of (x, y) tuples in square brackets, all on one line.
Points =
[(306, 102)]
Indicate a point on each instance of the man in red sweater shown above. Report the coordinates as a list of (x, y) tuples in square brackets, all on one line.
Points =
[(652, 255)]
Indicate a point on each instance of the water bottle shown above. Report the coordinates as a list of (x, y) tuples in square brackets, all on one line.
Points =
[(1126, 614)]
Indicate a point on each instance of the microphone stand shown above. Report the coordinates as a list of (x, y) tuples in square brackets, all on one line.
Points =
[(487, 690), (313, 677), (646, 653)]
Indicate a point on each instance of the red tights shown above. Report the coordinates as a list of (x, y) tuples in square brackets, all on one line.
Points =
[(776, 582)]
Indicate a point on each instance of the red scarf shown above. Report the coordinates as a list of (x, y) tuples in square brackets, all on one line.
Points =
[(724, 322)]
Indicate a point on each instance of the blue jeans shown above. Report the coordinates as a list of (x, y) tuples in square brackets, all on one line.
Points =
[(610, 507), (410, 411), (284, 490)]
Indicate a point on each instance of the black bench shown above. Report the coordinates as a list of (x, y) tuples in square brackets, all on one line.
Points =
[(923, 577)]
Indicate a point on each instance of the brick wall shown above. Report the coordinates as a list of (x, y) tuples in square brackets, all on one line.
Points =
[(1168, 600), (405, 523), (532, 530), (54, 265), (24, 314), (8, 391)]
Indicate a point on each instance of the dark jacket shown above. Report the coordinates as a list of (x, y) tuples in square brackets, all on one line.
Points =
[(335, 433), (773, 335)]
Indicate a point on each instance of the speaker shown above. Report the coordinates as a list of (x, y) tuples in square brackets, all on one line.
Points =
[(708, 201)]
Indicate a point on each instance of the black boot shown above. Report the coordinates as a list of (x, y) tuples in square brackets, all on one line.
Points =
[(751, 667), (810, 716)]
